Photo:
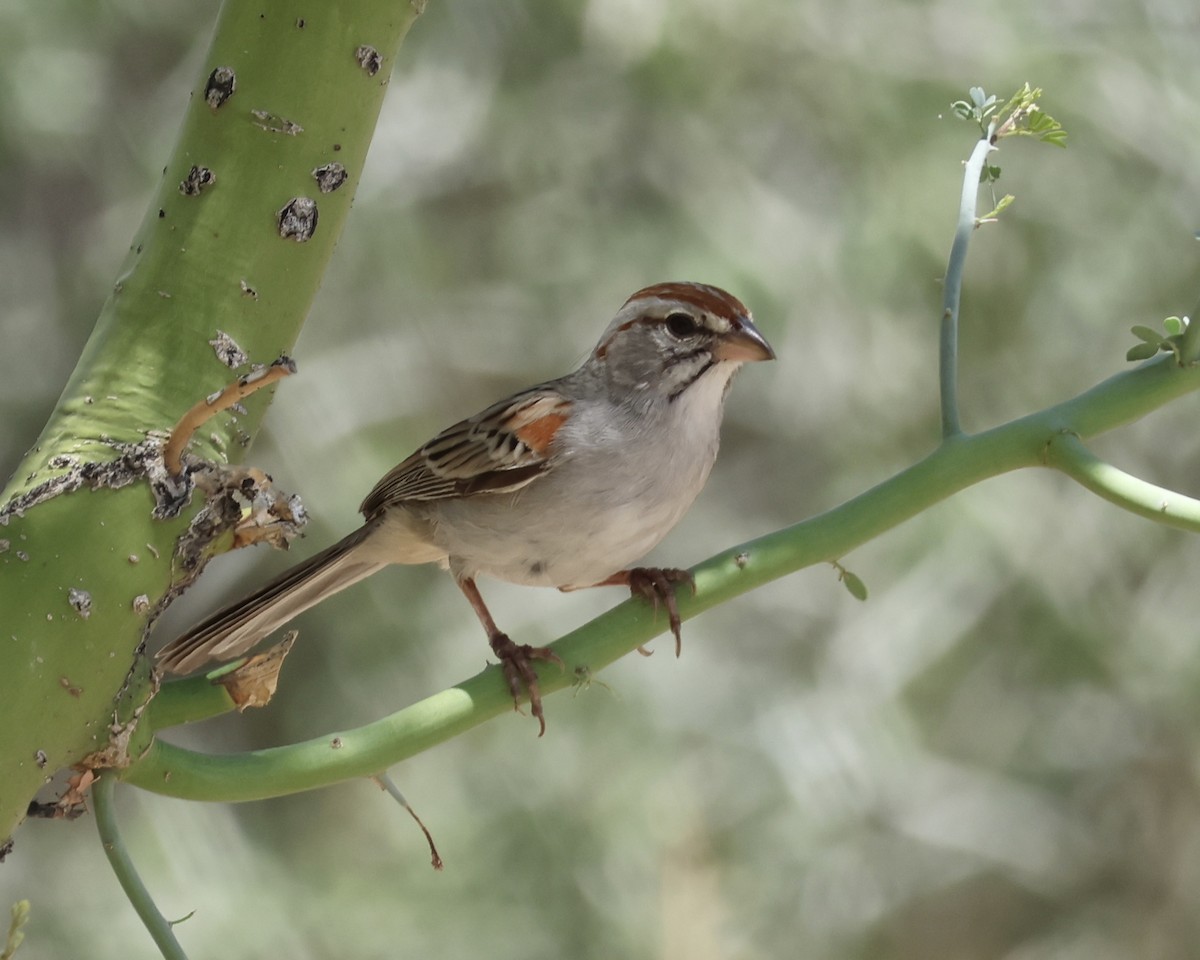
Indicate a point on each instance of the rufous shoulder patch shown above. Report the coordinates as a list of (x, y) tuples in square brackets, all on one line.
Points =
[(538, 434)]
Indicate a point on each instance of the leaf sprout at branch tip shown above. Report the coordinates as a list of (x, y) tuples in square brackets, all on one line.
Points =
[(979, 109), (1019, 116), (1152, 341)]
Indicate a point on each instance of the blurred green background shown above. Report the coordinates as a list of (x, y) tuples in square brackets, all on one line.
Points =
[(996, 756)]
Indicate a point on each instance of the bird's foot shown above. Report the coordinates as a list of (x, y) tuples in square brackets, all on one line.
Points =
[(657, 584), (516, 660)]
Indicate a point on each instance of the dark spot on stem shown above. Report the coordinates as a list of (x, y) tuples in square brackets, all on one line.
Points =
[(228, 351), (369, 59), (274, 123), (330, 176), (197, 181), (222, 83), (298, 219)]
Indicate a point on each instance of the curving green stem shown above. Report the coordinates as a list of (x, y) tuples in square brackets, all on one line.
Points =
[(948, 341), (114, 848), (1066, 452)]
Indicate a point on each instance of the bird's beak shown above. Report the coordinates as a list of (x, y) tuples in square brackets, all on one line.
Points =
[(743, 344)]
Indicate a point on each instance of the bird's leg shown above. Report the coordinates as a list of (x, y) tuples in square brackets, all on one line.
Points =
[(656, 584), (516, 659)]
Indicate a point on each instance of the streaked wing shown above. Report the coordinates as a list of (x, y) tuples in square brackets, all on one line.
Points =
[(499, 449)]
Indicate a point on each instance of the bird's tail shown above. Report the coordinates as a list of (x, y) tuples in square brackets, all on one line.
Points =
[(232, 631)]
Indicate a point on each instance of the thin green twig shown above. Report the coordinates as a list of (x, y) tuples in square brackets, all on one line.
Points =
[(948, 341), (1020, 116), (1066, 452), (127, 875)]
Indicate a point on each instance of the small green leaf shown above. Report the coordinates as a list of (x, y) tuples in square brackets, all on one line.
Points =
[(1141, 351), (1174, 326), (978, 108), (18, 917), (854, 584), (1021, 116), (1020, 100), (1145, 333), (1045, 127), (1002, 205), (1039, 122)]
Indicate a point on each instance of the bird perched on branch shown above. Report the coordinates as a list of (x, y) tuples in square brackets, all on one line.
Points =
[(564, 484)]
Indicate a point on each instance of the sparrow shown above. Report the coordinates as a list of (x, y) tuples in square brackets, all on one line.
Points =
[(564, 484)]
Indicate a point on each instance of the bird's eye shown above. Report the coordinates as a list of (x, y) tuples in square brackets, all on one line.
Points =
[(681, 325)]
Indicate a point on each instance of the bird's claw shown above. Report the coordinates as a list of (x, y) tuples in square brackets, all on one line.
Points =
[(657, 584), (516, 660)]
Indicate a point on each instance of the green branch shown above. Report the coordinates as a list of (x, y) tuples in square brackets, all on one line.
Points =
[(958, 463), (118, 856), (1020, 116), (948, 340), (1066, 452), (188, 700)]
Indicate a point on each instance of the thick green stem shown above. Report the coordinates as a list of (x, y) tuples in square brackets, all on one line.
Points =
[(957, 463), (188, 701), (221, 248)]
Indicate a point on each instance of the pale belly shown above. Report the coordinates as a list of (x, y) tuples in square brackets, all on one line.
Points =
[(525, 542), (537, 536)]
